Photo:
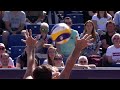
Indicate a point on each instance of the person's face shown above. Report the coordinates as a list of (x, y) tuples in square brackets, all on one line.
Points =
[(89, 27), (101, 13), (2, 50), (68, 22), (116, 40), (110, 27), (5, 60), (58, 61), (44, 30), (52, 53), (83, 62)]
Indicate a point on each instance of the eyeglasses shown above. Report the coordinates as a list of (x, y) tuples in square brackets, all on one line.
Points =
[(58, 58), (43, 30), (2, 48)]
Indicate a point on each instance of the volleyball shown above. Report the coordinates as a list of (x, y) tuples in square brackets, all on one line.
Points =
[(60, 33)]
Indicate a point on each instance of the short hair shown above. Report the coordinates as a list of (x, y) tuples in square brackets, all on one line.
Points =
[(110, 22), (116, 34), (43, 72), (67, 18)]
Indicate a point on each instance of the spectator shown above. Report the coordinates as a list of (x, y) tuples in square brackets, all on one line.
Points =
[(87, 15), (54, 17), (5, 61), (113, 51), (83, 63), (117, 20), (106, 38), (45, 72), (58, 60), (21, 60), (35, 17), (3, 50), (100, 19), (2, 24), (50, 56), (67, 48), (112, 13), (92, 49), (43, 38), (14, 24), (54, 59)]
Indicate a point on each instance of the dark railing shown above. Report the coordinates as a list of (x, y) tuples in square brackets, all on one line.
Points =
[(98, 73)]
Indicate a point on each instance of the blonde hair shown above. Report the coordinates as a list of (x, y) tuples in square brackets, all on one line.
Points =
[(81, 58)]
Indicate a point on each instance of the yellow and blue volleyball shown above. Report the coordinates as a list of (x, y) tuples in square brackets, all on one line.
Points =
[(60, 33)]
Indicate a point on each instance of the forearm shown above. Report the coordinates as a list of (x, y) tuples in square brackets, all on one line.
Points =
[(29, 63), (70, 63)]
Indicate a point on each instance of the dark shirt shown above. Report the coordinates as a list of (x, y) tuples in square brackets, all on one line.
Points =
[(108, 41)]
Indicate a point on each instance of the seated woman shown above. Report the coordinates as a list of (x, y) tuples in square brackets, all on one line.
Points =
[(58, 60), (5, 61), (83, 63)]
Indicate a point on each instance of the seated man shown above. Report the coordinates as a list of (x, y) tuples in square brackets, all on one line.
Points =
[(46, 71)]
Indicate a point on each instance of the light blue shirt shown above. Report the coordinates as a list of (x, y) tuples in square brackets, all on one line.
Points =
[(117, 18), (67, 48)]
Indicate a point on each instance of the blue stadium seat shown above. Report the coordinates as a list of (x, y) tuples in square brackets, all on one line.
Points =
[(78, 27), (16, 51), (0, 38), (15, 40), (76, 18), (50, 27), (35, 28)]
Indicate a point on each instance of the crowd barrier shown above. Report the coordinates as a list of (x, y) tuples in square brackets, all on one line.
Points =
[(98, 73)]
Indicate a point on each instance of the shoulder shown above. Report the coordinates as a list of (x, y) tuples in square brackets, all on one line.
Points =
[(111, 47), (117, 12), (94, 16), (22, 13), (74, 31), (109, 15)]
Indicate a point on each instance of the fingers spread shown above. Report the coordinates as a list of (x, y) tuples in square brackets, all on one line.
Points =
[(85, 36), (30, 33), (88, 37)]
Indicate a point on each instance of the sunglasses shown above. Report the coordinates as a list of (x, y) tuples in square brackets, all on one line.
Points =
[(69, 23), (43, 30), (2, 48), (83, 62), (58, 58)]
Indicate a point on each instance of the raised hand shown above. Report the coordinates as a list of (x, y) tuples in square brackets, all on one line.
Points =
[(83, 42), (30, 41)]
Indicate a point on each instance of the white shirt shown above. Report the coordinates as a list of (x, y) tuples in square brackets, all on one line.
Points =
[(114, 52), (101, 23)]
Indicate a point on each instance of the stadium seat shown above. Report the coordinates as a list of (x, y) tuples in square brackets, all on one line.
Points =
[(15, 40), (15, 51), (50, 27), (78, 27), (0, 38), (35, 28), (76, 18)]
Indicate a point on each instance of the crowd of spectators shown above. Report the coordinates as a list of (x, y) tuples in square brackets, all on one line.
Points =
[(103, 26)]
